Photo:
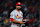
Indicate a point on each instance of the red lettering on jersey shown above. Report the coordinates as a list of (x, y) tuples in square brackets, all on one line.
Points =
[(17, 25), (17, 14), (21, 14), (13, 24), (12, 19), (11, 15)]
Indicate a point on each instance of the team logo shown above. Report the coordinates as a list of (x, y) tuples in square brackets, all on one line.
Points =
[(21, 14), (18, 16), (18, 2)]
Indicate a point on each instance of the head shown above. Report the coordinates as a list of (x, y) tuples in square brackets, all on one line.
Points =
[(18, 5)]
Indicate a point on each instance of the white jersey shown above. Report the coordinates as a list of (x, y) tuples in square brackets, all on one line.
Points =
[(16, 16)]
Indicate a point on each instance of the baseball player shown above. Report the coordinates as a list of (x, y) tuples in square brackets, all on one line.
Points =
[(16, 16)]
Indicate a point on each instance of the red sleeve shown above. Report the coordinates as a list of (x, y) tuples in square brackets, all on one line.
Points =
[(11, 19)]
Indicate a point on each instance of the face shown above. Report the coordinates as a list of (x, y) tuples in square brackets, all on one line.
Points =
[(18, 7)]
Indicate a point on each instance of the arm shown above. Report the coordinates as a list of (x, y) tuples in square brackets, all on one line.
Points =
[(12, 17), (20, 22), (15, 21)]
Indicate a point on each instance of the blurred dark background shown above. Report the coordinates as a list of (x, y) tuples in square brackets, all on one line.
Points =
[(30, 9)]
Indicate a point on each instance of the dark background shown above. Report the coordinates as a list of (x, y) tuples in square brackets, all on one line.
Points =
[(28, 6)]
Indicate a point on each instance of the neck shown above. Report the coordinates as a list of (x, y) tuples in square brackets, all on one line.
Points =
[(17, 10)]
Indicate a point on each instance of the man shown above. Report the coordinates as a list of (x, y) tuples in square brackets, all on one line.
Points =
[(16, 16)]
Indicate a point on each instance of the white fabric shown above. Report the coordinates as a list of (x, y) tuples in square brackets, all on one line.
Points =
[(17, 16)]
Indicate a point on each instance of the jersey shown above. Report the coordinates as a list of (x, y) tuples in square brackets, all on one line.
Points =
[(16, 16)]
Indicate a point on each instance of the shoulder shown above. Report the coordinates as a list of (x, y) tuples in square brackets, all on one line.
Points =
[(21, 11), (13, 12)]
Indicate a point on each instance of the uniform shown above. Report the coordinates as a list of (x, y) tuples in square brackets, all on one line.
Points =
[(17, 16)]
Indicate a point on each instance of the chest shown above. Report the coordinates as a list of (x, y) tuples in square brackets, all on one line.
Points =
[(18, 14)]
